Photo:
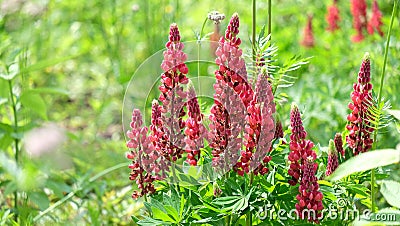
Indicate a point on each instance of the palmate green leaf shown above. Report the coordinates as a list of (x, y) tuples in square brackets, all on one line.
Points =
[(391, 191), (161, 215), (226, 200), (147, 221), (377, 114), (366, 161)]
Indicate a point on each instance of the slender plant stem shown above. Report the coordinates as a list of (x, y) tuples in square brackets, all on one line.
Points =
[(269, 17), (16, 141), (72, 193), (253, 38), (394, 13), (198, 53)]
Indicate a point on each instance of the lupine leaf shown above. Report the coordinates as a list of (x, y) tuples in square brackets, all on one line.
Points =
[(377, 115), (391, 191), (365, 161)]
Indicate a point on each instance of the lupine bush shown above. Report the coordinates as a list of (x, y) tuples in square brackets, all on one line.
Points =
[(260, 166)]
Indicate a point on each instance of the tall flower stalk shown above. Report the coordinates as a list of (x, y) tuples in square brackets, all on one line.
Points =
[(308, 35), (195, 131), (333, 17), (300, 147), (360, 129), (375, 23), (309, 204), (173, 96), (333, 161), (339, 144), (232, 95), (359, 12), (142, 154)]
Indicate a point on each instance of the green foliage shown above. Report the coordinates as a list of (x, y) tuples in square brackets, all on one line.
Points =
[(366, 161)]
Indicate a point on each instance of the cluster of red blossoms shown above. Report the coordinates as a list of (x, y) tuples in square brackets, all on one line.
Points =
[(339, 144), (308, 35), (300, 147), (360, 129), (195, 131), (309, 197), (360, 21), (171, 136), (152, 155), (141, 154), (235, 98), (333, 17), (333, 160), (303, 169)]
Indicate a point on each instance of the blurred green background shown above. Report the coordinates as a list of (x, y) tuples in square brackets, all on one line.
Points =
[(78, 57)]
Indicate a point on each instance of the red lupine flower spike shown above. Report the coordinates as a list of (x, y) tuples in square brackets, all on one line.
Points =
[(333, 17), (359, 12), (300, 148), (308, 35), (333, 161), (195, 131), (278, 130), (173, 96), (141, 150), (375, 23), (339, 144), (359, 138), (309, 197)]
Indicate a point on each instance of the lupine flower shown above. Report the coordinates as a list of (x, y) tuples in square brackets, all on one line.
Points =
[(339, 144), (160, 140), (309, 204), (195, 131), (278, 130), (359, 138), (375, 22), (260, 128), (359, 12), (172, 95), (333, 161), (233, 95), (226, 118), (333, 17), (300, 148), (232, 68), (308, 35), (141, 154)]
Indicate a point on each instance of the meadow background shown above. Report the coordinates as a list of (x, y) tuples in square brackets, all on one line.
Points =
[(76, 59)]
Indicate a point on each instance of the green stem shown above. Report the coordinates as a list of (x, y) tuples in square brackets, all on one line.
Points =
[(198, 53), (394, 13), (16, 141), (228, 220), (269, 17), (248, 220), (253, 38), (253, 41), (72, 193)]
